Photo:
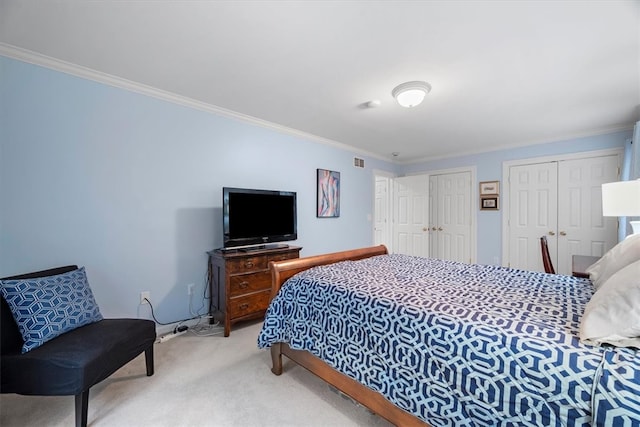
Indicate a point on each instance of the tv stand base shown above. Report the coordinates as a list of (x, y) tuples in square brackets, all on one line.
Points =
[(264, 247)]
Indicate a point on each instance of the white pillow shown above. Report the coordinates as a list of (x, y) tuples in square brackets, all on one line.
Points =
[(621, 255), (613, 314)]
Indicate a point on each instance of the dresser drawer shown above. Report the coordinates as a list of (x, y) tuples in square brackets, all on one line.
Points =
[(247, 265), (252, 303), (247, 283), (281, 257)]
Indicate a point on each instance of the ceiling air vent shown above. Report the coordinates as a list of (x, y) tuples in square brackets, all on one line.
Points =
[(359, 163)]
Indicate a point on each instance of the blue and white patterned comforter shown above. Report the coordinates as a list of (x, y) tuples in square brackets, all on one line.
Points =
[(459, 344)]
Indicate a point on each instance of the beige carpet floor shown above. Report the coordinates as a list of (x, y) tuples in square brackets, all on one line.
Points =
[(200, 381)]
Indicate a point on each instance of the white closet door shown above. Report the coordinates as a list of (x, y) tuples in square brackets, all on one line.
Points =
[(563, 201), (433, 216), (453, 223), (533, 207), (582, 230), (411, 233)]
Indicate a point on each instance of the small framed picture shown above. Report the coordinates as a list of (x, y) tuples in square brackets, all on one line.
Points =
[(489, 203), (489, 188)]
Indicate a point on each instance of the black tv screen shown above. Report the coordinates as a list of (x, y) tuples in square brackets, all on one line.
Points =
[(258, 217)]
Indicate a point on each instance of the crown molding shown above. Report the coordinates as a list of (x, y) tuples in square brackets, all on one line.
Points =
[(548, 140), (39, 59)]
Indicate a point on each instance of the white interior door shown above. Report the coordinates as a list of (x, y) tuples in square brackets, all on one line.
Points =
[(453, 216), (582, 230), (561, 200), (433, 216), (410, 213), (533, 207), (382, 223)]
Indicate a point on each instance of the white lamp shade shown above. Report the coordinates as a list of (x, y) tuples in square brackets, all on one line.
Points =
[(621, 198)]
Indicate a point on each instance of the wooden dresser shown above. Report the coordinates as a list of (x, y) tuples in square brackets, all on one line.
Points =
[(240, 283)]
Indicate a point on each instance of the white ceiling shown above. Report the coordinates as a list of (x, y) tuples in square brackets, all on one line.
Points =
[(503, 73)]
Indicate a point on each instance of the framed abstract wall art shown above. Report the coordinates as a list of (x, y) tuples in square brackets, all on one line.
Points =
[(328, 194)]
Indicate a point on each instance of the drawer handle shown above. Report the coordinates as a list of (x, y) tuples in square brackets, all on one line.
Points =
[(243, 306), (248, 264), (243, 285)]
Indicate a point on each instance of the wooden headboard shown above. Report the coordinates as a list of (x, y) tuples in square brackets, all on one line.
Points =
[(282, 270)]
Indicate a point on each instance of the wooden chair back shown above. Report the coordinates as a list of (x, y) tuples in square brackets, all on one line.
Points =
[(546, 258)]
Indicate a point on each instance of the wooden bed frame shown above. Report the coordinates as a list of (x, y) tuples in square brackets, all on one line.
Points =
[(376, 402)]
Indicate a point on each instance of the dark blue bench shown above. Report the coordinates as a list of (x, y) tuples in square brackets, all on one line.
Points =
[(73, 362)]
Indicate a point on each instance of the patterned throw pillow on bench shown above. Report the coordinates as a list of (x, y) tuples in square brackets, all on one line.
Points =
[(47, 307)]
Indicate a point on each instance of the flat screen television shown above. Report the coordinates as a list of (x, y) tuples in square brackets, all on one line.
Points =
[(258, 218)]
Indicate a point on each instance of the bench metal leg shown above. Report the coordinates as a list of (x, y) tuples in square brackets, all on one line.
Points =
[(148, 357), (82, 408), (82, 399)]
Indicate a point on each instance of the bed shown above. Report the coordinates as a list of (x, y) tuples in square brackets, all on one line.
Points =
[(423, 341)]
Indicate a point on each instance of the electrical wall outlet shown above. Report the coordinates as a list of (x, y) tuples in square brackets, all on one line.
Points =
[(190, 289), (145, 297)]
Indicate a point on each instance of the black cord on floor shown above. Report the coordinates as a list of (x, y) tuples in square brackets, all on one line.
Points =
[(170, 323)]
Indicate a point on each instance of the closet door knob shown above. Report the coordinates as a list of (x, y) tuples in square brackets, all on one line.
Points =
[(562, 233), (551, 233)]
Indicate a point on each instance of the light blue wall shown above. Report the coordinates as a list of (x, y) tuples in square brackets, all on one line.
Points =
[(130, 186), (489, 168)]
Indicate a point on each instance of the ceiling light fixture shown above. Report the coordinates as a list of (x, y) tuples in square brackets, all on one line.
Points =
[(410, 94)]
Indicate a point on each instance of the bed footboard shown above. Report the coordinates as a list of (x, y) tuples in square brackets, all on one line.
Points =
[(280, 272), (358, 392)]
